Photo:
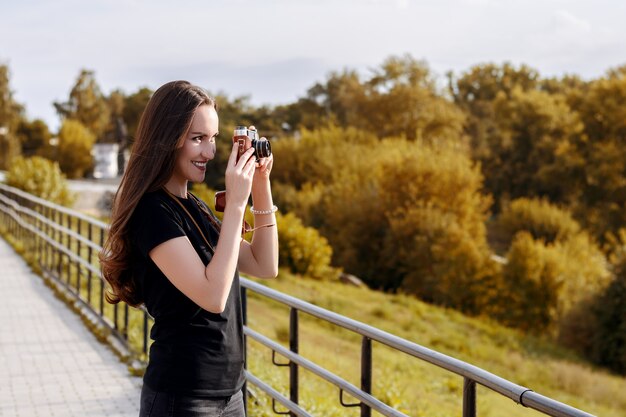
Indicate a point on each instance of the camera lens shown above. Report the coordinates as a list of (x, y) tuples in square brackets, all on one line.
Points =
[(262, 148)]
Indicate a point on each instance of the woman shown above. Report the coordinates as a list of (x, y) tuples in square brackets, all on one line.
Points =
[(165, 249)]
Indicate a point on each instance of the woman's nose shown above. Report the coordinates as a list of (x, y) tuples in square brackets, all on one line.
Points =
[(209, 150)]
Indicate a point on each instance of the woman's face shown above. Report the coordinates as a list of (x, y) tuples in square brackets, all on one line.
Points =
[(198, 145)]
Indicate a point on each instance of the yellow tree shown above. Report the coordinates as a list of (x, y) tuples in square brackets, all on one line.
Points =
[(399, 98), (74, 149), (474, 92), (553, 264), (534, 150), (134, 104), (603, 203), (35, 137), (10, 117), (87, 104), (399, 214), (41, 177)]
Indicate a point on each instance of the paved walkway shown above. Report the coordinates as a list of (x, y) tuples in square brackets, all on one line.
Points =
[(50, 364)]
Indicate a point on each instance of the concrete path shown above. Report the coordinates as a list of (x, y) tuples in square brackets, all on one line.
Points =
[(50, 364)]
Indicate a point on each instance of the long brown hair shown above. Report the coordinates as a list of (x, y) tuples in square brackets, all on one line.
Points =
[(163, 125)]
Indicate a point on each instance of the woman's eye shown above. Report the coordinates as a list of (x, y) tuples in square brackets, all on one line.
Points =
[(197, 138)]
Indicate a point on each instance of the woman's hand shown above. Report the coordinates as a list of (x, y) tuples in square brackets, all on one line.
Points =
[(263, 168), (239, 176)]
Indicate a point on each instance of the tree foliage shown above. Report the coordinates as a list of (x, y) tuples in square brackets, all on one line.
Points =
[(74, 149), (398, 214), (11, 114), (553, 265), (133, 107), (399, 98), (86, 104), (303, 250), (34, 137), (543, 220)]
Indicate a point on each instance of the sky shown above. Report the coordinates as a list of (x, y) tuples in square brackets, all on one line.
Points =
[(274, 50)]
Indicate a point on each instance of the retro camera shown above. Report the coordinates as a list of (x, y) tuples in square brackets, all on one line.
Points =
[(249, 138), (245, 139)]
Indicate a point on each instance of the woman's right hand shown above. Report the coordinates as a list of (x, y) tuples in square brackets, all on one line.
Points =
[(239, 175)]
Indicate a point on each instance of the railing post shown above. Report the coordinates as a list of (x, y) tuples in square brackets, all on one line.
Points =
[(125, 322), (78, 251), (58, 239), (40, 240), (366, 373), (47, 233), (68, 245), (469, 398), (244, 316), (90, 258), (293, 346)]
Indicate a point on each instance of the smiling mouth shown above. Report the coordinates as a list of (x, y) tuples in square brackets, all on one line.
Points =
[(201, 165)]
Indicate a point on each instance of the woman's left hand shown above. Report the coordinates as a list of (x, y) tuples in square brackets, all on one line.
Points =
[(263, 168)]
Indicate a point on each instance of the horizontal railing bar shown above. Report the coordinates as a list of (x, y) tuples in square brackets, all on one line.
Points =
[(290, 405), (53, 224), (104, 321), (54, 206), (52, 242), (549, 406), (61, 248), (485, 378), (325, 374)]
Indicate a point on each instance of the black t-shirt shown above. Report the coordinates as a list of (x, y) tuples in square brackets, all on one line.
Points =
[(195, 352)]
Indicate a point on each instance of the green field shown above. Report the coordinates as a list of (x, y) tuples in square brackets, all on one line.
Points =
[(413, 386)]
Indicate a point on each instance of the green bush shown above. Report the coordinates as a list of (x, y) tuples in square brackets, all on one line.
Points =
[(534, 272), (596, 328), (316, 155), (544, 221), (546, 284), (40, 177), (302, 249), (609, 340)]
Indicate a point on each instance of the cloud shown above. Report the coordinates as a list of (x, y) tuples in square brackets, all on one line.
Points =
[(566, 23), (402, 4)]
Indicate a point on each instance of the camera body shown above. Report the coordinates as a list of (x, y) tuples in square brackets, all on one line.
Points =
[(249, 138), (245, 139)]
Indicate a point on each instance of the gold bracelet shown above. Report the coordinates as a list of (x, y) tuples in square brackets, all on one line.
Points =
[(274, 209)]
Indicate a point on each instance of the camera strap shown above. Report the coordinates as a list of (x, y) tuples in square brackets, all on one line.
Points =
[(173, 197)]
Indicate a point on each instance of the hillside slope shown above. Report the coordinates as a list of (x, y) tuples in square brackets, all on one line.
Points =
[(416, 387)]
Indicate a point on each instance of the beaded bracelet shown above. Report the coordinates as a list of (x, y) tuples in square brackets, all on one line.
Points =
[(274, 209)]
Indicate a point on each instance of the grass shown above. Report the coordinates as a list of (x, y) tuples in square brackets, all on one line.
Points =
[(409, 384)]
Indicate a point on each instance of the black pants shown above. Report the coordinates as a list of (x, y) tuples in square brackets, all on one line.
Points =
[(164, 404)]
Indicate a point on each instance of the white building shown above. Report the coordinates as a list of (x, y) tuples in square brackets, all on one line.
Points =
[(105, 159)]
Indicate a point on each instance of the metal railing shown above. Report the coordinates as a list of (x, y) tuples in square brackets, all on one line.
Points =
[(64, 245)]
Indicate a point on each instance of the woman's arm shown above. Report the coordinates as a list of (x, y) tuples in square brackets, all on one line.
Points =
[(209, 286), (260, 257)]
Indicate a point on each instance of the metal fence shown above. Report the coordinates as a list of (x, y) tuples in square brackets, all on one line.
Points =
[(64, 245)]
